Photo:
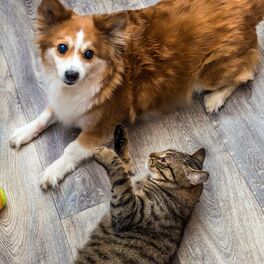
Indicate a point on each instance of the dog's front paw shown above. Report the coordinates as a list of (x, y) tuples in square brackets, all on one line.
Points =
[(52, 176), (21, 136)]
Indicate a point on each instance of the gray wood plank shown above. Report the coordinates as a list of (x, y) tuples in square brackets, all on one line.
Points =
[(241, 126), (80, 226), (150, 2), (115, 5), (82, 189), (30, 228), (87, 7)]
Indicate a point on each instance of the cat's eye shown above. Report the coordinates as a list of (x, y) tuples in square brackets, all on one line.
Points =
[(88, 54), (162, 159), (62, 48)]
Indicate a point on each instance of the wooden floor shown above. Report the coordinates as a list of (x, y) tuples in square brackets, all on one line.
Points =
[(226, 227)]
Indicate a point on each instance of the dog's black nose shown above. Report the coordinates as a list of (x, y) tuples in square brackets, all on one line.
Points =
[(71, 76)]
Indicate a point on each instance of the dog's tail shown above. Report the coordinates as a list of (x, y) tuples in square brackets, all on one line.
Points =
[(258, 10)]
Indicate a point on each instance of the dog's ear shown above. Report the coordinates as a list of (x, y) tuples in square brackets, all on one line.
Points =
[(112, 25), (50, 13)]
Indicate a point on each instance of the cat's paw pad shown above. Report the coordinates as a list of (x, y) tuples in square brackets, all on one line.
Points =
[(213, 103)]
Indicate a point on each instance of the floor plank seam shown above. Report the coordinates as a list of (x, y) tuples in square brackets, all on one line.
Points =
[(81, 211), (66, 237)]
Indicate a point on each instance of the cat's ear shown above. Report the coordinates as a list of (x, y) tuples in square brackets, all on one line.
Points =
[(196, 177), (50, 13), (199, 155)]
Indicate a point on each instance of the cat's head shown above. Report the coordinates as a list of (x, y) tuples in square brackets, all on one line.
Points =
[(178, 169)]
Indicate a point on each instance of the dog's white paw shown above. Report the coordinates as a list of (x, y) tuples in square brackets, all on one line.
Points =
[(51, 177), (55, 173), (213, 102), (21, 136), (73, 155)]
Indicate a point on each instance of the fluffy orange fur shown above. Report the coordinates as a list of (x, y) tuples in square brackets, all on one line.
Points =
[(158, 56)]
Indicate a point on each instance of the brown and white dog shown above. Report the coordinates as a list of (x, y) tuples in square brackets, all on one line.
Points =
[(101, 70)]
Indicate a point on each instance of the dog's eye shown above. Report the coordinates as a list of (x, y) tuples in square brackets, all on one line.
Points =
[(88, 54), (62, 48)]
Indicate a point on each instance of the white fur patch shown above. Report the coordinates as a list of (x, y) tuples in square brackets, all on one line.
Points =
[(73, 155), (71, 104), (79, 41)]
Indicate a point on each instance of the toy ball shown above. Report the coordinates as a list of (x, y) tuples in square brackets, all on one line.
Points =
[(2, 198)]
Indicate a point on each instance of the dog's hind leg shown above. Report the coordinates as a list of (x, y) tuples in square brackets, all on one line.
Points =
[(224, 76), (215, 100)]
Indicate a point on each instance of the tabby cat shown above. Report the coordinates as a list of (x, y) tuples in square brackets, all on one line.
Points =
[(146, 221)]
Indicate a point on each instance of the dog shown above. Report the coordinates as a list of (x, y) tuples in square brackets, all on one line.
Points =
[(105, 69)]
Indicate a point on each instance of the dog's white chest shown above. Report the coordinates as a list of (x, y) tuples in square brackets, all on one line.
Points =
[(70, 104)]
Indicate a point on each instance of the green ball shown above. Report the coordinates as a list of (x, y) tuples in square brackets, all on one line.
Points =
[(2, 198)]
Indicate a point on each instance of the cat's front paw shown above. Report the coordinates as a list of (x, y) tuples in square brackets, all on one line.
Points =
[(20, 137)]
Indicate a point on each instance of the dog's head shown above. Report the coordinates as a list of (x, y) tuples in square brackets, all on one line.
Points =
[(78, 47)]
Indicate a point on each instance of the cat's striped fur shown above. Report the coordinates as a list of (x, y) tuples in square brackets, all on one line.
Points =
[(146, 221)]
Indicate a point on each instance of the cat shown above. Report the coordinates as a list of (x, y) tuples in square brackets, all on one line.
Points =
[(146, 221)]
